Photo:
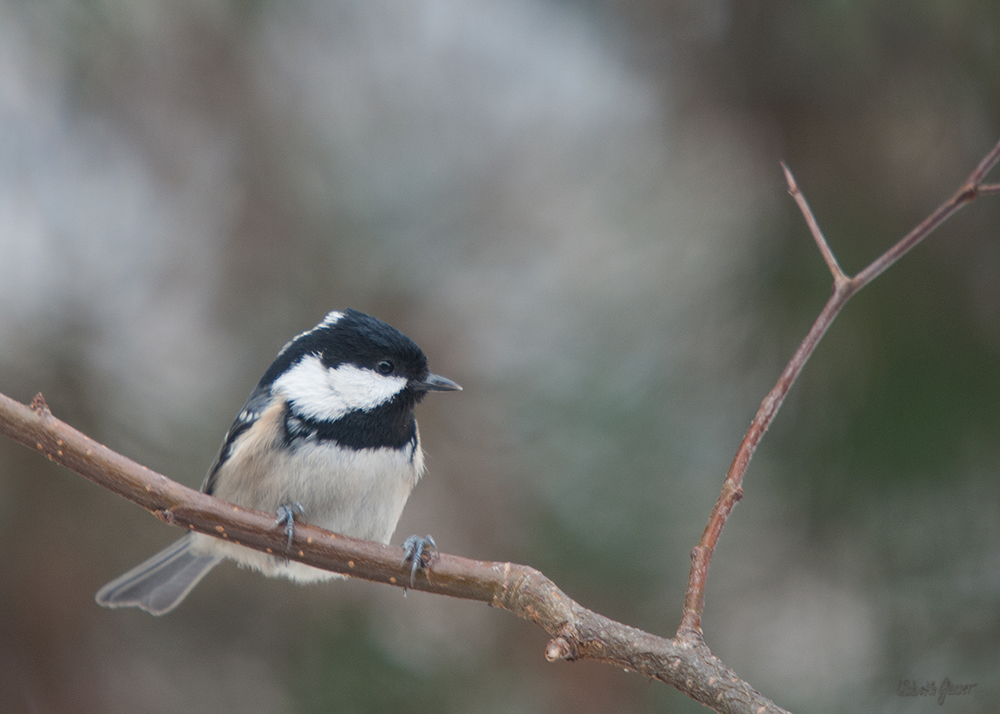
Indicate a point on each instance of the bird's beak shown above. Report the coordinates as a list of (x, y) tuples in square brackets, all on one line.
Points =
[(436, 383)]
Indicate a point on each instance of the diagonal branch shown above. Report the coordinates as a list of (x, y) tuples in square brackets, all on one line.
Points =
[(577, 633), (844, 288)]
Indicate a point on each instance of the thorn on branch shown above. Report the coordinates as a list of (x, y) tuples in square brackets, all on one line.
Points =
[(39, 406), (839, 276), (165, 515), (558, 649)]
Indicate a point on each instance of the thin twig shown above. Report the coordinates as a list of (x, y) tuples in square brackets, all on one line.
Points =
[(967, 192), (843, 289), (817, 234)]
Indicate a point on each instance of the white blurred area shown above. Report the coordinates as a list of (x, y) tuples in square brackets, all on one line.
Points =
[(184, 186), (500, 151), (498, 161)]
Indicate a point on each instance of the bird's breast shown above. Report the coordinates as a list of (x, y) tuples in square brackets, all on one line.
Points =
[(356, 492)]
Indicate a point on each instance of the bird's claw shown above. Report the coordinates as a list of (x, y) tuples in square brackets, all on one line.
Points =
[(286, 518), (414, 548)]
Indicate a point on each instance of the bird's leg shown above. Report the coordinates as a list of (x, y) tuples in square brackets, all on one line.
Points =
[(414, 549), (286, 518)]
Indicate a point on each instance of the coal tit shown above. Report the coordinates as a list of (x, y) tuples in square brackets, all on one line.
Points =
[(327, 437)]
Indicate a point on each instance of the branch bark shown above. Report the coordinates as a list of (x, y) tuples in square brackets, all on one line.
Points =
[(683, 661), (577, 633)]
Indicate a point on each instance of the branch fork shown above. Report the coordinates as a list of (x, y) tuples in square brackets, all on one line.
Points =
[(844, 288)]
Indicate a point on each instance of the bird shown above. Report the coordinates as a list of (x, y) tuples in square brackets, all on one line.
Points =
[(327, 437)]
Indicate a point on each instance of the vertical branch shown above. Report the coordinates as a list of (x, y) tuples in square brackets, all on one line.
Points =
[(732, 487)]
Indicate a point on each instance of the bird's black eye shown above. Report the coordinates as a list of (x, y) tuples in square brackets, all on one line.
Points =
[(384, 366)]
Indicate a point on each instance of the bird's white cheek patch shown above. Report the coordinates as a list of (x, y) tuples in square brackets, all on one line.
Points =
[(325, 394)]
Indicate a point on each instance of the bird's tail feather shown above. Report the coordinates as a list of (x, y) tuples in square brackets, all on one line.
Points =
[(159, 584)]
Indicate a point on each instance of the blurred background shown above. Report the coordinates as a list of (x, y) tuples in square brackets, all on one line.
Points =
[(576, 209)]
